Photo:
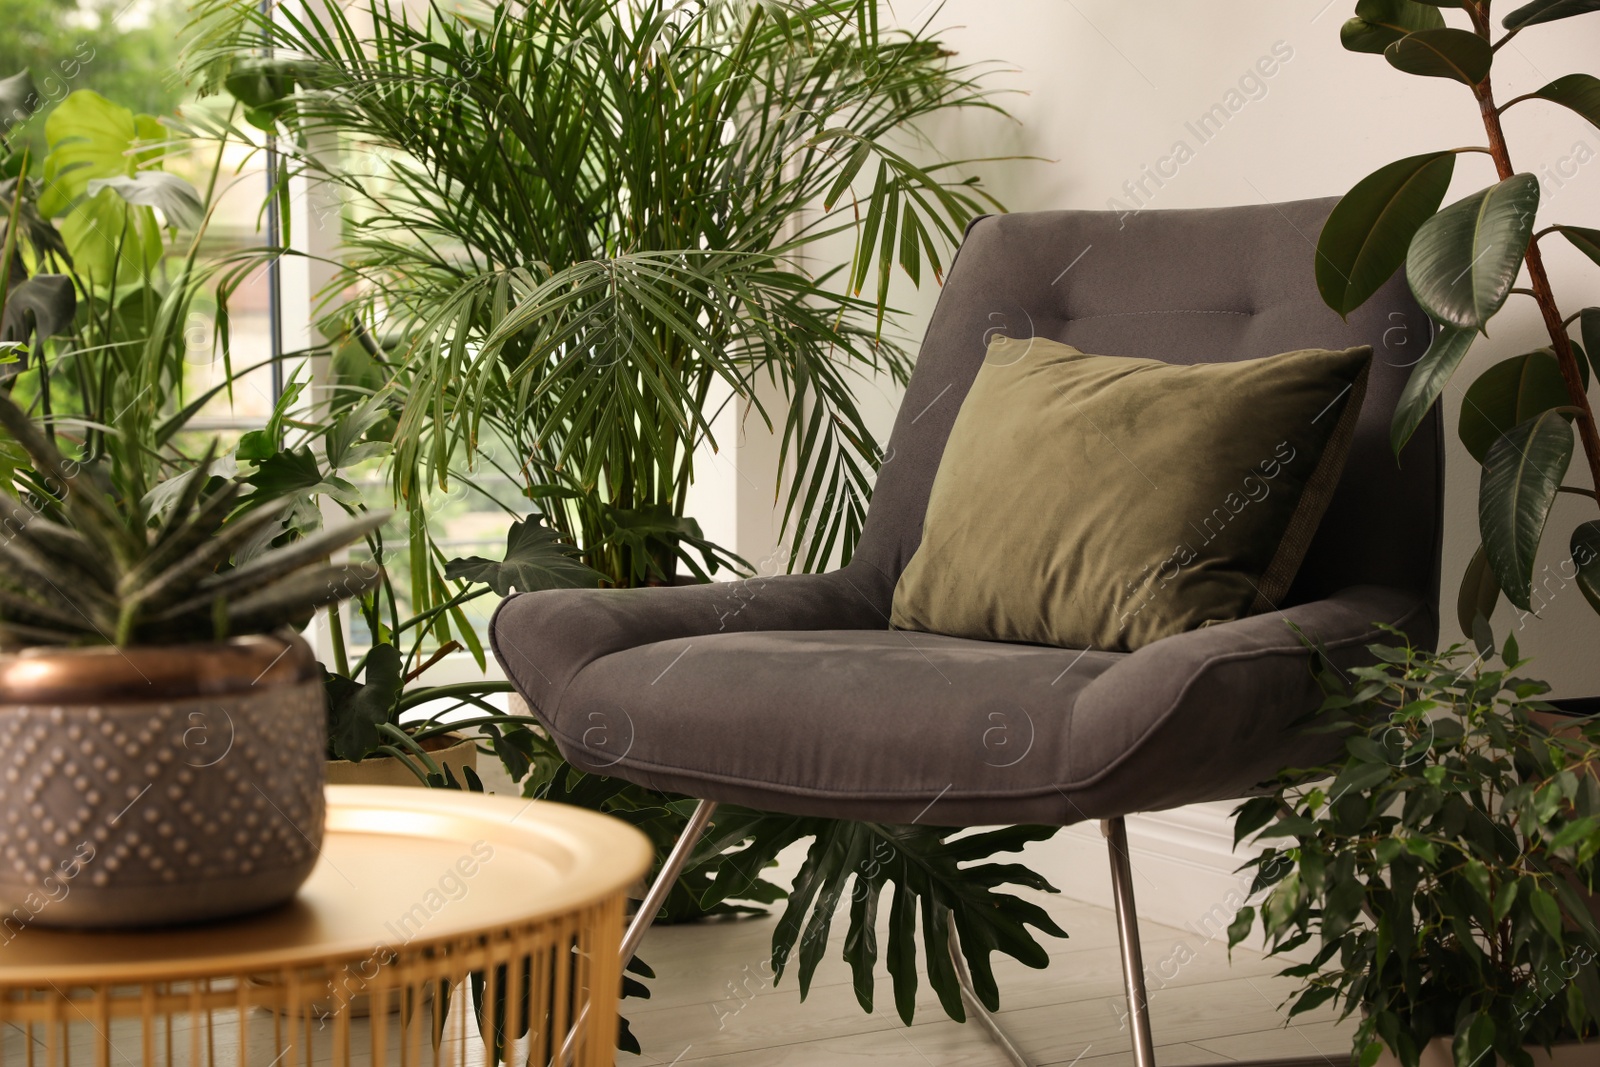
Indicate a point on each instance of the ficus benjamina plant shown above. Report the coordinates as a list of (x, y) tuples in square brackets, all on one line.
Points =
[(1463, 262), (1442, 865)]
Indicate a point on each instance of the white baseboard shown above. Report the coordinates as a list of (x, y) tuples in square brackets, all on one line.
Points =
[(1184, 867)]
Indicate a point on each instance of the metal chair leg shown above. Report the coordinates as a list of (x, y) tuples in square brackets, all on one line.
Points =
[(969, 995), (1116, 835), (650, 907)]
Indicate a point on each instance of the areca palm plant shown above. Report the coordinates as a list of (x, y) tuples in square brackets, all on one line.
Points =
[(575, 224), (574, 230)]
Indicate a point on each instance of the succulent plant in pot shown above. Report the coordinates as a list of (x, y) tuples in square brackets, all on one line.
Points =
[(163, 726), (1442, 866)]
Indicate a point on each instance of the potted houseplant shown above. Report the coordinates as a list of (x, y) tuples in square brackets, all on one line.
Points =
[(1520, 416), (165, 724), (1441, 865)]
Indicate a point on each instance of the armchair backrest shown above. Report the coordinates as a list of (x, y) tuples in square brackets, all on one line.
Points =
[(1187, 286)]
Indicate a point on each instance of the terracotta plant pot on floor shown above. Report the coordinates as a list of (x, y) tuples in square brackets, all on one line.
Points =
[(448, 751), (147, 786), (1438, 1054)]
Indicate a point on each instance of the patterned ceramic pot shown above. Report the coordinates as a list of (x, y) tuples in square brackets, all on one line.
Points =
[(152, 786)]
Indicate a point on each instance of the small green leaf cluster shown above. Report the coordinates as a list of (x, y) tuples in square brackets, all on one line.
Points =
[(1442, 863)]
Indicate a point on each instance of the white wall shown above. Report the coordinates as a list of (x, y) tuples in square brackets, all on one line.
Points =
[(1104, 88)]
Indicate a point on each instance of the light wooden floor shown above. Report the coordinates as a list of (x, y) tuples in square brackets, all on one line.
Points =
[(713, 1003)]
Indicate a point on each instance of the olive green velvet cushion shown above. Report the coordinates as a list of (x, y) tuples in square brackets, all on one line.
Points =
[(1107, 502)]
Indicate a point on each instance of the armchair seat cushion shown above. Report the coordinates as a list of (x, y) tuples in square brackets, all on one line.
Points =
[(912, 727)]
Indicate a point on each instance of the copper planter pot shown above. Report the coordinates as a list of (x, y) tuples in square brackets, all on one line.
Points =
[(155, 786)]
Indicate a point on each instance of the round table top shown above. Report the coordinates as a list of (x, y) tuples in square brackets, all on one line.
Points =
[(398, 867)]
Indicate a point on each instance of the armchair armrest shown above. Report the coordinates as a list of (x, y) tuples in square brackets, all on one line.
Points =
[(544, 639), (1206, 715)]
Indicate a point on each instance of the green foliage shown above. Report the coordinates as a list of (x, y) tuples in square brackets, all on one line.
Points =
[(936, 880), (583, 226), (1443, 863), (1463, 262), (88, 561)]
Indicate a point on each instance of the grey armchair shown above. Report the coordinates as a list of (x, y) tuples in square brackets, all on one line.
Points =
[(792, 694)]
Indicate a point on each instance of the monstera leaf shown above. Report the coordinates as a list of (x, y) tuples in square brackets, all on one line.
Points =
[(535, 559), (1464, 261), (1366, 237), (93, 139)]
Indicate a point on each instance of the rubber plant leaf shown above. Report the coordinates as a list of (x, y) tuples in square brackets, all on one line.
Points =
[(1366, 237), (1547, 11), (1584, 240), (1427, 381), (1508, 394), (1380, 23), (1580, 92), (1520, 480), (1464, 261), (1442, 53), (1586, 558), (1479, 592)]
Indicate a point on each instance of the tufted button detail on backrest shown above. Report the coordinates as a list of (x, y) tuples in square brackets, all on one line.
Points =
[(1187, 286)]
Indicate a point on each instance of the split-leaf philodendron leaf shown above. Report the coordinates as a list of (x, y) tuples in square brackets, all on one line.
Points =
[(1366, 237), (1520, 480), (1464, 261)]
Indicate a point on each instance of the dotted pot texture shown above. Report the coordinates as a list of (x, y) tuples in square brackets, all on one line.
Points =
[(202, 803)]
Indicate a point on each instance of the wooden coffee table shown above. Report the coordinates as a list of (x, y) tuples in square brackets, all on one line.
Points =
[(438, 927)]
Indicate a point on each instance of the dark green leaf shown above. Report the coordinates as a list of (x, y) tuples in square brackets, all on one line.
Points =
[(1548, 11), (1380, 23), (1465, 259), (1479, 592), (1366, 237), (1520, 478), (1508, 394), (536, 558), (1585, 547), (1546, 912), (356, 709), (44, 306), (1428, 379), (1442, 53), (1239, 929), (1580, 92), (1584, 240)]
